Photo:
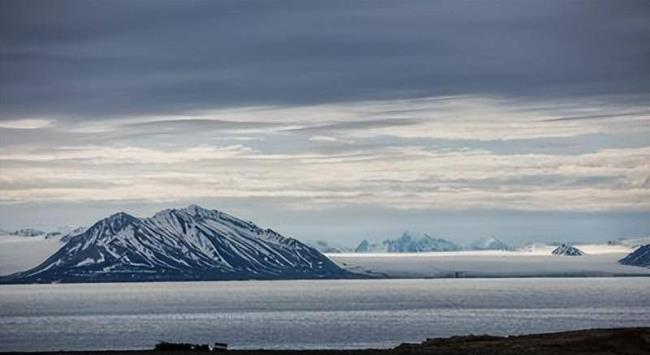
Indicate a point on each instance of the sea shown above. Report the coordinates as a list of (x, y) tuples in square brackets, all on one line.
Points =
[(314, 314)]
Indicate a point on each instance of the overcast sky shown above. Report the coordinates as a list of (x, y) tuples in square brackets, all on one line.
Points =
[(336, 120)]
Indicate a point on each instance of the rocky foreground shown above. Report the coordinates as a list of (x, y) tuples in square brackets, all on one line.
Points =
[(595, 341)]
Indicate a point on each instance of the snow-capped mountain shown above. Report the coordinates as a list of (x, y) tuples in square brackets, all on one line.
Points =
[(190, 243), (567, 250), (408, 244), (639, 257), (325, 247), (490, 244)]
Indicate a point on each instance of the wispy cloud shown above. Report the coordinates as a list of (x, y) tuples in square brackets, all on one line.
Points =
[(25, 124)]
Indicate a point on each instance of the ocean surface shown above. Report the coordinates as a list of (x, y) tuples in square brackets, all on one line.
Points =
[(310, 314)]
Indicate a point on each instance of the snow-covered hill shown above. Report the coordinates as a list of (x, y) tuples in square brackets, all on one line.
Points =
[(191, 243), (567, 250), (640, 257), (407, 244)]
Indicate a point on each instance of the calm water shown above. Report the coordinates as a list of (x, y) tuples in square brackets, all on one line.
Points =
[(310, 314)]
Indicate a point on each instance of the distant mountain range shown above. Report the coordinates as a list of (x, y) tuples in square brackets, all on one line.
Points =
[(25, 232), (407, 244), (190, 243), (63, 233)]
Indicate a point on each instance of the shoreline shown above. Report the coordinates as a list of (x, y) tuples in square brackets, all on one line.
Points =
[(589, 341), (357, 278)]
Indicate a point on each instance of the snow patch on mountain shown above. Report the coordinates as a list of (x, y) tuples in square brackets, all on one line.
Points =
[(567, 250)]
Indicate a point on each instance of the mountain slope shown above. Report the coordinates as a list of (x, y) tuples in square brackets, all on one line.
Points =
[(65, 233), (640, 257), (567, 250), (192, 243), (325, 247)]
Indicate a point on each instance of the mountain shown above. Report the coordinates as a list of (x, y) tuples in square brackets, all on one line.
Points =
[(366, 247), (408, 244), (639, 257), (191, 243), (27, 232), (490, 244), (567, 250), (65, 233), (325, 247)]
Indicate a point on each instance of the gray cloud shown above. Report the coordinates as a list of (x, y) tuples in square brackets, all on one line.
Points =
[(606, 116), (330, 118), (77, 59)]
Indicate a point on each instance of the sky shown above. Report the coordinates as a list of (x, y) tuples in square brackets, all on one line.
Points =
[(333, 120)]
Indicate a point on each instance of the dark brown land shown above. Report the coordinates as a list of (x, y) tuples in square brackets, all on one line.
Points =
[(595, 341)]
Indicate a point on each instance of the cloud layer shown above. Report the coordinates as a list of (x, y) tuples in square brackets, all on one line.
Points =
[(438, 154), (309, 107), (81, 60)]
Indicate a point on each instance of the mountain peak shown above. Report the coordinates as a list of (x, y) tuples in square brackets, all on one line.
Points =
[(196, 210), (120, 218), (119, 215), (568, 250)]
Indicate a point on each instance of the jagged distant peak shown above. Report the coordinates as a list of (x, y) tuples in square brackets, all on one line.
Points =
[(408, 243)]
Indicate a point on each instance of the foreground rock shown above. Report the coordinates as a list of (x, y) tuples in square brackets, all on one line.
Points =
[(596, 341), (630, 341), (640, 257), (185, 244)]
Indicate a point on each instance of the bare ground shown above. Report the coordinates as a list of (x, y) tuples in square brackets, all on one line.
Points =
[(595, 341)]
